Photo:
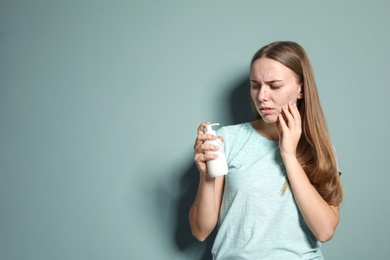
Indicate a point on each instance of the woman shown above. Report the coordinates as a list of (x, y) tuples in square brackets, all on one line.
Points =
[(281, 196)]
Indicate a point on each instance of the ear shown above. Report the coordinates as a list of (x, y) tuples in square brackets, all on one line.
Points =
[(300, 91)]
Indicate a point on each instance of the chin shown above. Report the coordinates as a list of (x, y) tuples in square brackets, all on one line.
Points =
[(269, 119)]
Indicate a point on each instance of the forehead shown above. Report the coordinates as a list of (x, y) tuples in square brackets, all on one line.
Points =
[(269, 69)]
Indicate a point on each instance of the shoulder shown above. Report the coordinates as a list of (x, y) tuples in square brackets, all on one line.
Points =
[(233, 130), (234, 134), (234, 137)]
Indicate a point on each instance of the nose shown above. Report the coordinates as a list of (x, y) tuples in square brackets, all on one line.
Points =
[(263, 94)]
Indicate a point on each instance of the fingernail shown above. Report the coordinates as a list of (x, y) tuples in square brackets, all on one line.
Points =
[(215, 137), (216, 147)]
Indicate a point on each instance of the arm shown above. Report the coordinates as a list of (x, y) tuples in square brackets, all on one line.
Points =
[(204, 212), (205, 209), (321, 217)]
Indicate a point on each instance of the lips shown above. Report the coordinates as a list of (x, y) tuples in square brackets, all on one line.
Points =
[(266, 110)]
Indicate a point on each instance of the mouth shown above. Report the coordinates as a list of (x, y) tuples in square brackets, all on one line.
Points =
[(266, 109)]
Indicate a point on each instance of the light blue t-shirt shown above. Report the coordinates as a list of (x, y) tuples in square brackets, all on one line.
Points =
[(257, 220)]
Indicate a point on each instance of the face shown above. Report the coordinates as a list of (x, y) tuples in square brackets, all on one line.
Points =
[(273, 85)]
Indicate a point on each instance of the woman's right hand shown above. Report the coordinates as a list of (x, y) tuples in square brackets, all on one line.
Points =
[(200, 147)]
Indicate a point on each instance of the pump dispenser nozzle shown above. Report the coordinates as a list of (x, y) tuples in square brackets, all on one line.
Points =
[(209, 128)]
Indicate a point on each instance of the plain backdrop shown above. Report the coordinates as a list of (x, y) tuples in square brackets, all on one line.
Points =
[(100, 102)]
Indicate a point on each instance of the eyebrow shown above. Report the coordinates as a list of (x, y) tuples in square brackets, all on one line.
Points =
[(267, 82)]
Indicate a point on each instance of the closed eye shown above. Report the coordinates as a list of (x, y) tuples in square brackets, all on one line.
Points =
[(274, 84)]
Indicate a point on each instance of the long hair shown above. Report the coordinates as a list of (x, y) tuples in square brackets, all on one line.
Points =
[(315, 151)]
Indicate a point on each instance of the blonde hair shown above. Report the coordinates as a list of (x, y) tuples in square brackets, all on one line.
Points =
[(315, 151)]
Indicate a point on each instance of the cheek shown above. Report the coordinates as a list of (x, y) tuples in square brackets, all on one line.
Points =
[(283, 99), (286, 97)]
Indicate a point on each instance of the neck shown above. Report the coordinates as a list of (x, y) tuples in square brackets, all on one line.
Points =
[(268, 130)]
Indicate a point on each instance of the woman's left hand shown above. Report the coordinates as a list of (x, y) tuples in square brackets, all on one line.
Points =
[(289, 127)]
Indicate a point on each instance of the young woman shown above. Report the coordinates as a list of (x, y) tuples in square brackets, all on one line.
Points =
[(281, 196)]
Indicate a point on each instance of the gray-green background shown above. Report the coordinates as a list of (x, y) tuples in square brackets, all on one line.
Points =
[(100, 101)]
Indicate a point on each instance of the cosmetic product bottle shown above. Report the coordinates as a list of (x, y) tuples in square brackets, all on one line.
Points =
[(218, 166)]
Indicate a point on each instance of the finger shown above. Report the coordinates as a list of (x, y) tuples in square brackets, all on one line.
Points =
[(202, 157), (281, 124), (203, 138), (293, 109), (289, 118), (295, 113), (201, 127), (206, 147), (201, 135)]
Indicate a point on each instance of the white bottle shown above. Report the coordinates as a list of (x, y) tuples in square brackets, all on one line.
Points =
[(218, 166)]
